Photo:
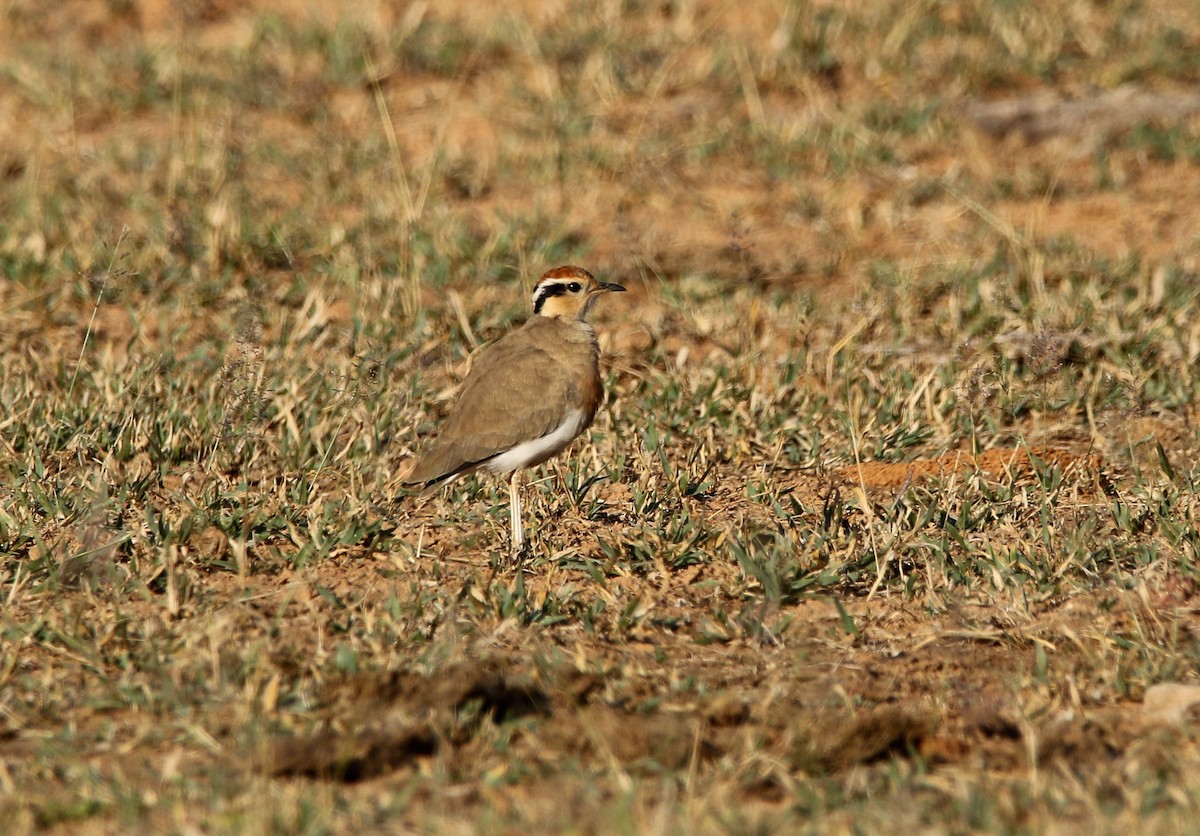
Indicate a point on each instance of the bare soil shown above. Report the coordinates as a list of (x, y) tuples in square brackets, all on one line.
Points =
[(741, 702)]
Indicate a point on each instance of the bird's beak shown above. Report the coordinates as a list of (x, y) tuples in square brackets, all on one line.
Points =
[(610, 287)]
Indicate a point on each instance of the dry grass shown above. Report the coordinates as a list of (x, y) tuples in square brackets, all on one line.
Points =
[(246, 250)]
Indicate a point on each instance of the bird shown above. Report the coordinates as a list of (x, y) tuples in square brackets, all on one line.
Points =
[(527, 396)]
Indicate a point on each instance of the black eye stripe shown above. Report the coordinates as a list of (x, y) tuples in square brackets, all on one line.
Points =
[(549, 289), (545, 291)]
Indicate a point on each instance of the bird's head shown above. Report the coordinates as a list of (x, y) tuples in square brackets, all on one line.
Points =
[(568, 293)]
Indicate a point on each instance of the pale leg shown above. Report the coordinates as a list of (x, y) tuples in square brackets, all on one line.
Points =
[(514, 509)]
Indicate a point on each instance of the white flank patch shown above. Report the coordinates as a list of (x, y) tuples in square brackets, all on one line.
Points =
[(539, 448)]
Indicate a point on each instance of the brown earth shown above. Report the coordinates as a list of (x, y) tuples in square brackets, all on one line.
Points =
[(1015, 462), (512, 717)]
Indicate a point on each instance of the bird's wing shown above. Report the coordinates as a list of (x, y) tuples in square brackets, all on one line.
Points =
[(514, 393)]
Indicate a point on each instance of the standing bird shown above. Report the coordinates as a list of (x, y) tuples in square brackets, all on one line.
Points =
[(527, 396)]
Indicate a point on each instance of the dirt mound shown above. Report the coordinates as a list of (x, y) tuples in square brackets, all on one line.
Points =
[(375, 724), (476, 718)]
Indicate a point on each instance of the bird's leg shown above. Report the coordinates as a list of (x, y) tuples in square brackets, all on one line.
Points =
[(514, 499)]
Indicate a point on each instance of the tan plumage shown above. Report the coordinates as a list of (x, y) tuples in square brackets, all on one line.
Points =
[(527, 396)]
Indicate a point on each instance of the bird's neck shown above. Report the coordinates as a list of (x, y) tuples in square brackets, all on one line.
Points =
[(568, 329), (575, 321)]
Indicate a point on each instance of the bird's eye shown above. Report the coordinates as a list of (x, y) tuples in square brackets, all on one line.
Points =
[(573, 287)]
